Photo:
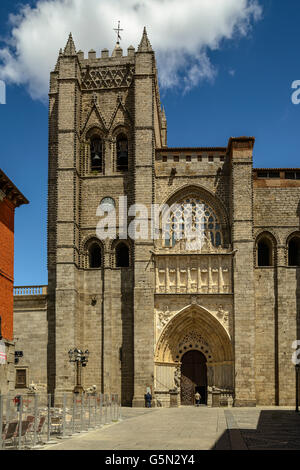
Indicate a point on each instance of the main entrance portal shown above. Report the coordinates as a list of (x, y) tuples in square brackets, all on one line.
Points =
[(193, 377)]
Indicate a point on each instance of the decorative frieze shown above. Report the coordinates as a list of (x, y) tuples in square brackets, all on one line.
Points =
[(95, 78), (197, 274)]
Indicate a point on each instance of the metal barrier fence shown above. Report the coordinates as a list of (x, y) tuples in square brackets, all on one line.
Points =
[(33, 420)]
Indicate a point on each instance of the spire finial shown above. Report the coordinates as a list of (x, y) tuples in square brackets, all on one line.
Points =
[(70, 46), (117, 30), (145, 45)]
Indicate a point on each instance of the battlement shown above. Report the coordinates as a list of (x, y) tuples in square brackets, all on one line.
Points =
[(189, 161), (103, 70), (105, 59)]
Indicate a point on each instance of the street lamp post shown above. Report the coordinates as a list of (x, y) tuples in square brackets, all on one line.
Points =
[(81, 359), (297, 367)]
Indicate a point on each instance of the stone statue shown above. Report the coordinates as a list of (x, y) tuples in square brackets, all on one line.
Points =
[(221, 311), (222, 314)]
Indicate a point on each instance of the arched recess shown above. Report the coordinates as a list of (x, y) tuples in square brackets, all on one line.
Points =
[(94, 152), (122, 146), (207, 197), (195, 328), (293, 249), (123, 248), (93, 254), (266, 250)]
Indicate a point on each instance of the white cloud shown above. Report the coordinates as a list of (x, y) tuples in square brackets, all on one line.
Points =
[(181, 32)]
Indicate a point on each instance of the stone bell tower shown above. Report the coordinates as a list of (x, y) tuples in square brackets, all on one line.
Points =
[(102, 306)]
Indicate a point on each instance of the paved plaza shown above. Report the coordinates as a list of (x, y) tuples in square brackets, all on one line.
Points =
[(189, 428)]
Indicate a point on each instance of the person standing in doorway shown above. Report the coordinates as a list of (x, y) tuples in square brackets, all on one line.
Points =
[(197, 398)]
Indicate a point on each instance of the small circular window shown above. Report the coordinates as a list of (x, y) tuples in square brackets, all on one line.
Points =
[(107, 204)]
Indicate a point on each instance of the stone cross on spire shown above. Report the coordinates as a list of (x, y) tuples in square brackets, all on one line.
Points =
[(117, 30)]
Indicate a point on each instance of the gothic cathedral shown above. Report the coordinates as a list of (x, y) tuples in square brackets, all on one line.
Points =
[(218, 317)]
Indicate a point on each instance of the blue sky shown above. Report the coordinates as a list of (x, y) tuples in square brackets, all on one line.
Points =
[(250, 95)]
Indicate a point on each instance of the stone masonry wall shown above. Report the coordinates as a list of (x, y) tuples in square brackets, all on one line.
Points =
[(276, 211), (31, 337)]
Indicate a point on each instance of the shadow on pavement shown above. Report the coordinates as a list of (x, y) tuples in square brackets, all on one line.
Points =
[(275, 430)]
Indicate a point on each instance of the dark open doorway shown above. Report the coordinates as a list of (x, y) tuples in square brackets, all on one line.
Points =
[(193, 377)]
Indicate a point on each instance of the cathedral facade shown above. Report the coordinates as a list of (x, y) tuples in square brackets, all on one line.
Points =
[(218, 316)]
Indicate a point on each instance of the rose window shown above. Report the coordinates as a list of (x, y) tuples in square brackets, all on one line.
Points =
[(193, 221)]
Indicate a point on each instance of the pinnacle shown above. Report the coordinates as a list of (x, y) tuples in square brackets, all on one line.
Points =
[(117, 51), (145, 45), (70, 46), (57, 62)]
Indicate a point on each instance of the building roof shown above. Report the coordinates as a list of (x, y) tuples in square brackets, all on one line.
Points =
[(276, 169), (10, 191), (191, 149)]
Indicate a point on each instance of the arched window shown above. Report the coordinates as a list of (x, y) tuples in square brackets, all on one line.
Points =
[(264, 252), (294, 251), (96, 154), (194, 221), (122, 256), (95, 256), (122, 153)]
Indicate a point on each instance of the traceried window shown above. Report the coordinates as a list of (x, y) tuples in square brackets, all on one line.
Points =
[(194, 221), (122, 153), (96, 154)]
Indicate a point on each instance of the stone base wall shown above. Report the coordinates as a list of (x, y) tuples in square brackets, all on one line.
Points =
[(31, 337)]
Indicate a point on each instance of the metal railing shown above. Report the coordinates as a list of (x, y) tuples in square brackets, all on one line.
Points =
[(34, 420)]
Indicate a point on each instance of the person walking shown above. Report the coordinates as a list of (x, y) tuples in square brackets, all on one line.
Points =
[(148, 398), (197, 398)]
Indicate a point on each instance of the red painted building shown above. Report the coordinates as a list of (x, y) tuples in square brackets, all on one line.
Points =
[(10, 198)]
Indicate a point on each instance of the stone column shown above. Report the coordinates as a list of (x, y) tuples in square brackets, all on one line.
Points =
[(66, 217), (242, 240), (177, 274), (287, 305), (199, 278), (144, 187), (167, 275)]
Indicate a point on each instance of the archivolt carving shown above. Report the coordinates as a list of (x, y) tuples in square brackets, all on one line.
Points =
[(194, 327), (193, 341), (193, 337)]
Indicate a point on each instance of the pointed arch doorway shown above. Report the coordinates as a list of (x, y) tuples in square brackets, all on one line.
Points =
[(193, 377)]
